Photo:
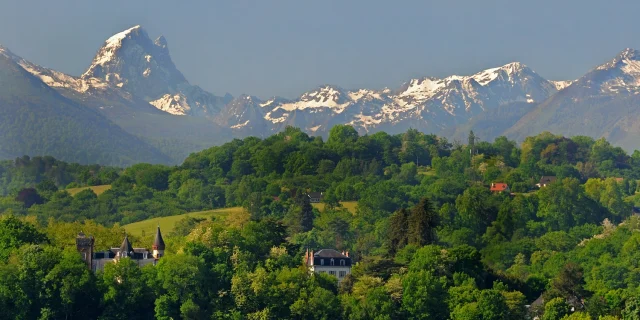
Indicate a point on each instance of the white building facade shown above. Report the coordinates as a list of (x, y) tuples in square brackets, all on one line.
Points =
[(332, 262)]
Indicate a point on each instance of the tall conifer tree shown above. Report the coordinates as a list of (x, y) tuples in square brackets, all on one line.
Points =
[(423, 221), (398, 227), (306, 214)]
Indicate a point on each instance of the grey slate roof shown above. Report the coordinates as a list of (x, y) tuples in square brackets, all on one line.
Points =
[(547, 179), (126, 246), (158, 242), (329, 253)]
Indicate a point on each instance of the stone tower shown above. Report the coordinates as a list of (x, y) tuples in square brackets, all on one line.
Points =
[(158, 245), (84, 245)]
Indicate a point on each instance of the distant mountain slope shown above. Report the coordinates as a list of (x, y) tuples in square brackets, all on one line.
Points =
[(37, 120), (492, 123), (603, 103)]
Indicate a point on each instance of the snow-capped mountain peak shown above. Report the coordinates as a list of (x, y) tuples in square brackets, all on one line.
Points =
[(629, 53), (630, 59), (130, 60), (324, 93), (624, 58), (510, 72), (621, 74), (111, 46)]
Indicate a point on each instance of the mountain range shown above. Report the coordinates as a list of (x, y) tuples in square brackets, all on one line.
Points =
[(134, 98)]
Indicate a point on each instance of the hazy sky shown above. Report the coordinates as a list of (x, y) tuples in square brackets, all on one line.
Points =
[(284, 48)]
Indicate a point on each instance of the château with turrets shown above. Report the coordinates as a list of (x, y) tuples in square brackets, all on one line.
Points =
[(97, 260)]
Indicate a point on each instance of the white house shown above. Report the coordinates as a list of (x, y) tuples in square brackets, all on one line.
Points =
[(329, 261)]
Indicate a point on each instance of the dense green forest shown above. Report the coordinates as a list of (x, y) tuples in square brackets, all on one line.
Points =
[(429, 238)]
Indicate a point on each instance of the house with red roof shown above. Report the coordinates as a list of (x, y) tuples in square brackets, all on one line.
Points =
[(500, 187)]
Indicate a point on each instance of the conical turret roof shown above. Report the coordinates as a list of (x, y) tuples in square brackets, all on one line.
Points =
[(158, 242), (126, 249)]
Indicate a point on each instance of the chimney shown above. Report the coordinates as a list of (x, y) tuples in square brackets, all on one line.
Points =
[(306, 257), (347, 254), (311, 257)]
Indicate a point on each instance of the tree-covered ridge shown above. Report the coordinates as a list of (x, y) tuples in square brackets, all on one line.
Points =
[(380, 171), (26, 172), (429, 238)]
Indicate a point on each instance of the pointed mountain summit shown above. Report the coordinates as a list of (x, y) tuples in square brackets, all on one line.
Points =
[(132, 61), (620, 75)]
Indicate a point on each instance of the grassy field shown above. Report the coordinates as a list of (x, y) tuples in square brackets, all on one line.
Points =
[(96, 189), (232, 216), (349, 205), (426, 170)]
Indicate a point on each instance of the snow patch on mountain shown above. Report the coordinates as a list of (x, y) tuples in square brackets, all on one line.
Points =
[(175, 104), (282, 118), (326, 96), (240, 125), (364, 94), (562, 84), (422, 89), (56, 79)]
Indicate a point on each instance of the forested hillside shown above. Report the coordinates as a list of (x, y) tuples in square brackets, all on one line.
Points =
[(430, 239), (37, 120)]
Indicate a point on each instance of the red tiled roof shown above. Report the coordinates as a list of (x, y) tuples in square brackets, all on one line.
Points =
[(499, 186)]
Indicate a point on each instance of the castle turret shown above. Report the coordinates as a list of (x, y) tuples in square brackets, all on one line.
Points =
[(158, 245), (126, 249), (84, 245)]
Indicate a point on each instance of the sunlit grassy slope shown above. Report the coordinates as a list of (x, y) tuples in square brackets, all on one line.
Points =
[(349, 205), (232, 216), (96, 189)]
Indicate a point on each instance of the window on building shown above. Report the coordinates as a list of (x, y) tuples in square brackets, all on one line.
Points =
[(342, 262), (333, 273), (332, 262), (322, 262), (342, 274)]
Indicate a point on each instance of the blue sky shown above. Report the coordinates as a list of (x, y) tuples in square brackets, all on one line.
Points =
[(284, 48)]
